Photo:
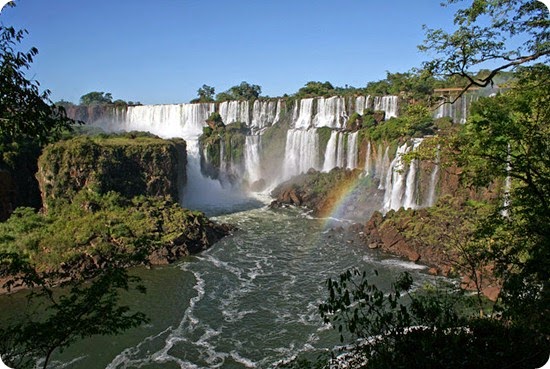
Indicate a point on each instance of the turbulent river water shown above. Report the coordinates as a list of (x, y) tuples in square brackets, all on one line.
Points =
[(251, 301)]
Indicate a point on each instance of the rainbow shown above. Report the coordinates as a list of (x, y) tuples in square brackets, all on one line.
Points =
[(340, 198)]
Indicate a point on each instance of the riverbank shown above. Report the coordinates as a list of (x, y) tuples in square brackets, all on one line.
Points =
[(95, 231), (417, 235)]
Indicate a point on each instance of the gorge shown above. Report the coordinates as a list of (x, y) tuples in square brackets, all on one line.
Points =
[(265, 142)]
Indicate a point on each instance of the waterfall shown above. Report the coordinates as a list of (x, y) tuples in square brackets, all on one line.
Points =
[(302, 147), (401, 183), (234, 111), (265, 113), (352, 150), (507, 186), (301, 153), (360, 106), (223, 162), (185, 121), (395, 179), (410, 200), (302, 116), (340, 151), (367, 160), (252, 158), (330, 152), (458, 111), (331, 112), (433, 181), (388, 104), (383, 168)]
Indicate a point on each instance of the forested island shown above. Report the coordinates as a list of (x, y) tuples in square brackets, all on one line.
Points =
[(446, 166)]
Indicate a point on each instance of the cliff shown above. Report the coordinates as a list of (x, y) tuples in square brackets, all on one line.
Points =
[(128, 164)]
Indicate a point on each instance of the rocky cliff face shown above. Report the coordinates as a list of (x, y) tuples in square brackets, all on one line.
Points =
[(129, 165)]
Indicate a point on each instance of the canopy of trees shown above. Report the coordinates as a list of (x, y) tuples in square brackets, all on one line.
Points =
[(504, 33), (243, 91), (25, 112), (96, 98), (206, 94)]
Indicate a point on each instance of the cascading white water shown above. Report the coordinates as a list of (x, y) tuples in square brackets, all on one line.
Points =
[(330, 152), (456, 110), (331, 112), (303, 114), (360, 104), (301, 153), (410, 200), (388, 104), (395, 179), (302, 146), (185, 121), (234, 111), (265, 113), (340, 157), (430, 200), (367, 160), (352, 150), (383, 168), (252, 158)]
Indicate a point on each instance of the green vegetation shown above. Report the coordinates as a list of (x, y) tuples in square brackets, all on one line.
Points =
[(428, 328), (504, 147), (231, 136), (131, 164), (206, 94), (99, 98), (96, 225), (82, 249), (96, 98), (243, 91), (504, 33)]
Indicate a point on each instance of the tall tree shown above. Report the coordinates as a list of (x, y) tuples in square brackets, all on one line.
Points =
[(496, 34), (96, 98), (89, 305), (206, 93), (25, 112), (243, 91)]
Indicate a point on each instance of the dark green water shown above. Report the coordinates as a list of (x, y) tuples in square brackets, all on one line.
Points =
[(249, 302)]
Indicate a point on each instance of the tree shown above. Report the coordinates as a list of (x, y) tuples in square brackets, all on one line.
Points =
[(96, 98), (408, 327), (26, 114), (28, 118), (505, 137), (90, 306), (500, 34), (206, 94), (314, 89), (243, 91)]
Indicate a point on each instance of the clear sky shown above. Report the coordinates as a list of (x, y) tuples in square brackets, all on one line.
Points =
[(162, 51)]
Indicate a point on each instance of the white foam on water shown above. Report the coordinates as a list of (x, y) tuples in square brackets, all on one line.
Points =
[(403, 264), (242, 360)]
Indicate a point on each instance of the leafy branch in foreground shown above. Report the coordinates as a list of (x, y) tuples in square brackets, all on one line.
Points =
[(502, 34), (75, 309), (426, 328)]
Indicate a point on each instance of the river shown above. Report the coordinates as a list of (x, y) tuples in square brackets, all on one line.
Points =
[(251, 301)]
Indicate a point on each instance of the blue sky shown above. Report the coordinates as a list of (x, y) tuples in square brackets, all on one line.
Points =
[(162, 51)]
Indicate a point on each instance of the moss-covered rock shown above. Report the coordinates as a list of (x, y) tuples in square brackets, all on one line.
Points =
[(95, 229), (128, 164)]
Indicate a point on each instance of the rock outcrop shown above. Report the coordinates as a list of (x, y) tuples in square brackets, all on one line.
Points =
[(129, 164), (324, 192)]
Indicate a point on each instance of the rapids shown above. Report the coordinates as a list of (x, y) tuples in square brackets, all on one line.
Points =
[(248, 302)]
